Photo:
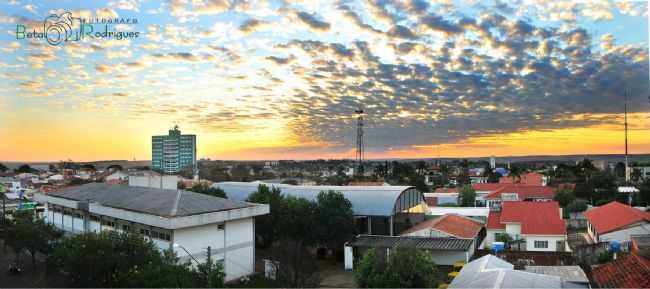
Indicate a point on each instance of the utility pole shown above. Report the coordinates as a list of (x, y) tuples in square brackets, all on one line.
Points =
[(360, 148), (627, 168), (209, 281)]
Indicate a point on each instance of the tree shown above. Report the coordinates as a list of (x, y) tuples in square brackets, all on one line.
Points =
[(26, 232), (24, 168), (503, 237), (203, 188), (334, 211), (121, 260), (405, 268), (564, 197), (515, 174), (298, 221), (467, 196), (294, 268), (643, 197), (3, 168), (266, 227)]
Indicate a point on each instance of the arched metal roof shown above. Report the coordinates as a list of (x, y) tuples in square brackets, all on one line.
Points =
[(366, 200)]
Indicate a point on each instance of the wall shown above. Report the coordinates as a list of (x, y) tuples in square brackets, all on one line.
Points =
[(239, 237), (490, 237), (552, 242), (514, 230), (449, 257), (164, 182), (624, 235)]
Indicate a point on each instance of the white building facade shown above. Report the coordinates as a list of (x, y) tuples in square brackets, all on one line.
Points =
[(172, 219)]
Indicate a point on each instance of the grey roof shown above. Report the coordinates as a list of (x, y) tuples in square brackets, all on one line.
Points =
[(642, 241), (154, 201), (492, 272), (366, 200), (429, 243), (573, 274)]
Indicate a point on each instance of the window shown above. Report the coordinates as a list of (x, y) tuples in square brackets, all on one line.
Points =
[(221, 226), (126, 228), (94, 218), (541, 244)]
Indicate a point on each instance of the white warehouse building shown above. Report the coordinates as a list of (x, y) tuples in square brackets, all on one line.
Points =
[(172, 219)]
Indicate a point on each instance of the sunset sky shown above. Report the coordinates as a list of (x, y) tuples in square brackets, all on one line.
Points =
[(281, 79)]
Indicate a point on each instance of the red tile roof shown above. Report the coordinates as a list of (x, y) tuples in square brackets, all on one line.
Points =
[(523, 191), (614, 216), (446, 190), (535, 218), (533, 179), (494, 221), (628, 271), (452, 224), (487, 186)]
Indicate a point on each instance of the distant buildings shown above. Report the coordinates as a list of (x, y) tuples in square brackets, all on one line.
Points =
[(183, 221), (616, 221), (532, 179), (173, 152), (538, 226)]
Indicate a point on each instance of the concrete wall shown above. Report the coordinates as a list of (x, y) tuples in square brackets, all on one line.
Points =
[(161, 182), (552, 241), (239, 240), (449, 257), (513, 230), (624, 235)]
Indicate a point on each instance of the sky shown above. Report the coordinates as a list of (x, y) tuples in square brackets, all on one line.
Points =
[(282, 79)]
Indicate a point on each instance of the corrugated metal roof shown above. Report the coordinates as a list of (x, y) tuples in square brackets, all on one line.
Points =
[(154, 201), (429, 243), (492, 272), (366, 200)]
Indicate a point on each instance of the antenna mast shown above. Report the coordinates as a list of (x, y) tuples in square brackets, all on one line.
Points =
[(627, 169), (360, 148)]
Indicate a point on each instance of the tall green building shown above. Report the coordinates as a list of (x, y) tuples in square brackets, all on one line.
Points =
[(174, 152)]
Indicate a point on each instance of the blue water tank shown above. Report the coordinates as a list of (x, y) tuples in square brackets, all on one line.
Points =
[(498, 247), (615, 246)]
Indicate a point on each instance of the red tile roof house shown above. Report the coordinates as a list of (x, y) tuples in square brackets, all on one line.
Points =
[(449, 226), (616, 221), (517, 192), (540, 224)]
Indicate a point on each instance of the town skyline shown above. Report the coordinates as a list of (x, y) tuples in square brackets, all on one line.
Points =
[(280, 80)]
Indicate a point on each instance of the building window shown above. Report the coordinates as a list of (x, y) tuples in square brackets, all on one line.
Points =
[(126, 228), (94, 218), (541, 244), (221, 227)]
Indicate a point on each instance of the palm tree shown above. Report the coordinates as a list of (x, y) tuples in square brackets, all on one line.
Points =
[(515, 173)]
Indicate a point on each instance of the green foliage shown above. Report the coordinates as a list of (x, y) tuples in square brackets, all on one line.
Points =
[(25, 168), (125, 260), (203, 188), (333, 211), (3, 168), (577, 206), (267, 227), (467, 196), (503, 237), (295, 269), (405, 268), (564, 197), (240, 173), (26, 232), (643, 197), (605, 257)]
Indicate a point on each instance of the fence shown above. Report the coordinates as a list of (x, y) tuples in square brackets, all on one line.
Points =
[(589, 253)]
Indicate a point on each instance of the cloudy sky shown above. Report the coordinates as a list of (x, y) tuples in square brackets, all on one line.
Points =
[(281, 79)]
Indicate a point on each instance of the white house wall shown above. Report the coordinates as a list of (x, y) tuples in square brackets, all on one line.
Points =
[(624, 235), (552, 242), (449, 257), (240, 258), (490, 236), (513, 230)]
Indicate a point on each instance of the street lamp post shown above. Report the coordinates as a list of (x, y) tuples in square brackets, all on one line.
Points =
[(209, 263)]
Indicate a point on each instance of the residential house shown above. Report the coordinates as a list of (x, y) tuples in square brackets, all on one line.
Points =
[(627, 271), (538, 226), (449, 226), (616, 221), (531, 179)]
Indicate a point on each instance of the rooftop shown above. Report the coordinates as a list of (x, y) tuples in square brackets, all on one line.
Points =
[(366, 200), (492, 272), (573, 274), (153, 201), (628, 271), (614, 216), (452, 224), (536, 218), (429, 243)]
